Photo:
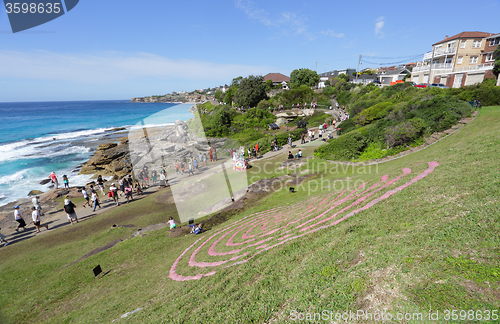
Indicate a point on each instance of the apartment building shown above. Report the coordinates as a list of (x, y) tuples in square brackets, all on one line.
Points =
[(458, 61)]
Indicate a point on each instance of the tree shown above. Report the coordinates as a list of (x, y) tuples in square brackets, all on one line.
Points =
[(343, 77), (304, 77), (229, 95), (250, 91), (269, 85), (219, 95), (327, 82), (496, 66)]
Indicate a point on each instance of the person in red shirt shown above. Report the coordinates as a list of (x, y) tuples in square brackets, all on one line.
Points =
[(53, 177)]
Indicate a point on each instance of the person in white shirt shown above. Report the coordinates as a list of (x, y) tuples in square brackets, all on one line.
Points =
[(36, 203), (35, 215), (19, 218), (86, 197), (171, 222)]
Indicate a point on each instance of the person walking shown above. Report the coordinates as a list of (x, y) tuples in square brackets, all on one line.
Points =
[(100, 184), (95, 200), (138, 188), (3, 240), (69, 209), (162, 180), (18, 216), (53, 179), (36, 204), (86, 197), (182, 167), (302, 138), (211, 155), (35, 215), (190, 166), (289, 142), (154, 175), (177, 167), (257, 149), (113, 193), (121, 185), (128, 193)]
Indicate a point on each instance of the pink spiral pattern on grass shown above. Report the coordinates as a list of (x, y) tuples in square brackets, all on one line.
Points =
[(242, 240)]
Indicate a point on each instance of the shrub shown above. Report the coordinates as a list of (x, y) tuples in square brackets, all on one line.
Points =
[(347, 125), (346, 147), (373, 151), (404, 133), (377, 111)]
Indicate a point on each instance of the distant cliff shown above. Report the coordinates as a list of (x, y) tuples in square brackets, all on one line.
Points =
[(172, 98)]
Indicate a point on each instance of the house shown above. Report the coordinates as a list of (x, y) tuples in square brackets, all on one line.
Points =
[(278, 79), (363, 78), (323, 77), (457, 60), (393, 75)]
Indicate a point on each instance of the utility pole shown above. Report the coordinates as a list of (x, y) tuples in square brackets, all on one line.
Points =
[(357, 70), (316, 67), (430, 68)]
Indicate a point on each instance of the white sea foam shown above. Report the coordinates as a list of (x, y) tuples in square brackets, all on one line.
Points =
[(41, 151), (73, 135), (139, 126), (12, 178)]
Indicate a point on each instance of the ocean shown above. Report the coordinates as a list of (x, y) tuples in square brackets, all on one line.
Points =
[(37, 138)]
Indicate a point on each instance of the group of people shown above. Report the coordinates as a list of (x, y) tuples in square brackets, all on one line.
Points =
[(35, 217), (297, 156)]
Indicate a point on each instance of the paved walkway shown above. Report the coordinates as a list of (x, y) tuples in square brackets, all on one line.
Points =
[(56, 218)]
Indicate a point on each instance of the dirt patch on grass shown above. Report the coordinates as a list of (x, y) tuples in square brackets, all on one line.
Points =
[(488, 294), (383, 291), (94, 252)]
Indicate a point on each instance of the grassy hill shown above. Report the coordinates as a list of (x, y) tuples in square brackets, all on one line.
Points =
[(431, 246)]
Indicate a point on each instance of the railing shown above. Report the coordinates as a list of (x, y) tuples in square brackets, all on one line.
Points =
[(477, 67), (435, 66), (446, 51)]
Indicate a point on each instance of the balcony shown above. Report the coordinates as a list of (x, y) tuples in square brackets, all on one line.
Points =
[(476, 67), (436, 66), (444, 51)]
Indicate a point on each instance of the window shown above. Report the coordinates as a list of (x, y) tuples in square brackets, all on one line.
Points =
[(473, 60), (489, 57), (459, 60), (476, 44), (463, 43), (448, 60), (495, 41)]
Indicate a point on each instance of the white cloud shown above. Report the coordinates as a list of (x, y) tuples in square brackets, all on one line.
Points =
[(332, 33), (108, 67), (252, 12), (286, 22), (378, 26)]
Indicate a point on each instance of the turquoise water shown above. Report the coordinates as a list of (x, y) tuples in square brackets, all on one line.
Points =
[(39, 137)]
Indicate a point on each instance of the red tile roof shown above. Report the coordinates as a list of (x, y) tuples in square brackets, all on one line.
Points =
[(276, 77), (473, 34)]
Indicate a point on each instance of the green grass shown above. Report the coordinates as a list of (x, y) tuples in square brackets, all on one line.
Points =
[(434, 245)]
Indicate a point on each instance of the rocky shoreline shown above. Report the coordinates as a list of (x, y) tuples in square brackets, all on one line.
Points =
[(173, 98)]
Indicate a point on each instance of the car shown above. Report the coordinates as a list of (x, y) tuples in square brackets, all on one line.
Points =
[(376, 82), (438, 85), (421, 85)]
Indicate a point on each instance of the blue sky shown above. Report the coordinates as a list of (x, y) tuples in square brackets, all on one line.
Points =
[(118, 49)]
